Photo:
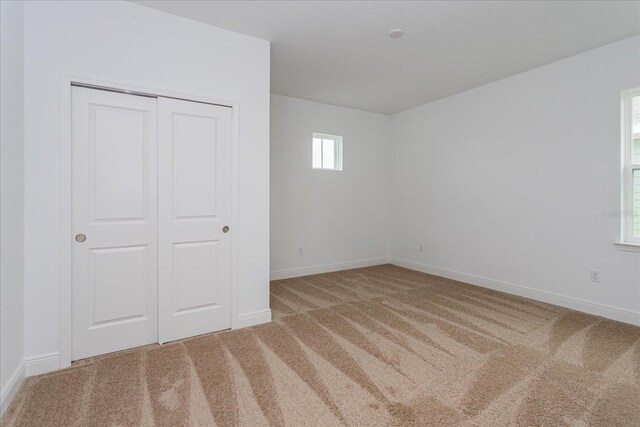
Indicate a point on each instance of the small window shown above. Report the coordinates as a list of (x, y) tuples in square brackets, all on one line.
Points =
[(631, 161), (326, 152)]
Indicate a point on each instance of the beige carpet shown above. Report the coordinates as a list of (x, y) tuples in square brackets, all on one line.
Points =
[(374, 346)]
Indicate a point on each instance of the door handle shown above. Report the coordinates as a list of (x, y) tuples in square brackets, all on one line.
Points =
[(80, 238), (225, 229)]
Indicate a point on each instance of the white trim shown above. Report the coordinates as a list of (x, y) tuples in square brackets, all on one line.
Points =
[(12, 386), (337, 154), (628, 247), (523, 291), (64, 357), (65, 221), (627, 166), (235, 214), (251, 319), (43, 363), (327, 268)]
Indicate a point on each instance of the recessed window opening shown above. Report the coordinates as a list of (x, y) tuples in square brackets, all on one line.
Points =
[(326, 152), (631, 166)]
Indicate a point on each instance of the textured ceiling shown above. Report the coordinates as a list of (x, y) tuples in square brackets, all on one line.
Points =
[(339, 52)]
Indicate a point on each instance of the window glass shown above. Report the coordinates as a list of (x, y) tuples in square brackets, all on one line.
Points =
[(317, 153), (328, 154), (635, 210), (635, 129)]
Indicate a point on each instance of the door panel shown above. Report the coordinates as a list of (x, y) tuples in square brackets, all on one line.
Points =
[(194, 157), (119, 170), (114, 198), (115, 272), (195, 275), (194, 152)]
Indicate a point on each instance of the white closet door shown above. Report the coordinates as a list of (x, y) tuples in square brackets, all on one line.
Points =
[(194, 160), (114, 197)]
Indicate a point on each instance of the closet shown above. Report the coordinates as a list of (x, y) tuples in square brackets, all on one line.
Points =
[(151, 209)]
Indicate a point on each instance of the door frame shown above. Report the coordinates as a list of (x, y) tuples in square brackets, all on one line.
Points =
[(65, 273)]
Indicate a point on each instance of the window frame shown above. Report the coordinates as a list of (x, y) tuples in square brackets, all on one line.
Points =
[(628, 167), (337, 148)]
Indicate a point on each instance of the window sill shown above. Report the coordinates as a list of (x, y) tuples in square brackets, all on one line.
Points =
[(628, 247)]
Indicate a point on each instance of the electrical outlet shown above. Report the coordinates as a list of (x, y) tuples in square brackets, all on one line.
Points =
[(595, 276), (421, 248), (300, 250)]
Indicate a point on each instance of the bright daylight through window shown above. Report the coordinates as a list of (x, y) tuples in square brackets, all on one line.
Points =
[(327, 152)]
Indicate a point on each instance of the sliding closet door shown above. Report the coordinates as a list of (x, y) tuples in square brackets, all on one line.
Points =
[(114, 221), (194, 160)]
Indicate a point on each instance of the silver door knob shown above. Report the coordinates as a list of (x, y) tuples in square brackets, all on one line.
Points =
[(80, 238), (225, 229)]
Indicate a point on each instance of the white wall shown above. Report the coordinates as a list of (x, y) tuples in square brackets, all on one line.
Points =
[(125, 43), (11, 201), (341, 219), (507, 183)]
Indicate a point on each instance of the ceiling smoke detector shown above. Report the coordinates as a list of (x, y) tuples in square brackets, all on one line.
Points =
[(396, 34)]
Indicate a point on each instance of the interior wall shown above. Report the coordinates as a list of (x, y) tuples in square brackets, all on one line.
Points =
[(125, 43), (339, 218), (11, 201), (516, 184)]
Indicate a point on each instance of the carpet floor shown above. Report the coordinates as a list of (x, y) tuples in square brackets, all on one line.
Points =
[(373, 346)]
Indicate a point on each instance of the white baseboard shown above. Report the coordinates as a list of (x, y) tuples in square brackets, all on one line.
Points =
[(327, 268), (252, 319), (523, 291), (12, 386), (43, 363), (49, 362)]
